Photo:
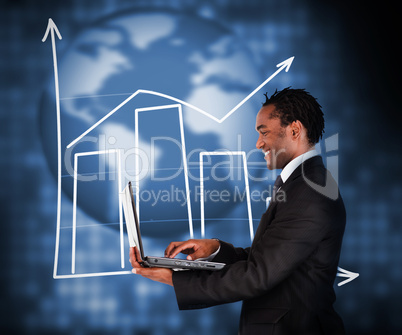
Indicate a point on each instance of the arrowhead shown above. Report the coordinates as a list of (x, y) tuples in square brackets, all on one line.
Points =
[(51, 26), (348, 274), (286, 64)]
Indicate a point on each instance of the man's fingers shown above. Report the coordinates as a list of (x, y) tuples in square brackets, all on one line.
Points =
[(193, 248), (135, 257), (170, 247), (182, 247), (145, 272), (132, 256), (195, 255), (157, 274), (138, 271), (137, 254)]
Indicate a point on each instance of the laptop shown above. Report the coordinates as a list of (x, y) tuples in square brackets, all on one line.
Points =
[(134, 237)]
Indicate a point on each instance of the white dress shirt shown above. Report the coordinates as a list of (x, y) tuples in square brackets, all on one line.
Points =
[(295, 162)]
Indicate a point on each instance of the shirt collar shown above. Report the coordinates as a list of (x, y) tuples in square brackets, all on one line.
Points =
[(294, 163)]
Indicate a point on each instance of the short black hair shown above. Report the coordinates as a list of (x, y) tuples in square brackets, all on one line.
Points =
[(297, 104)]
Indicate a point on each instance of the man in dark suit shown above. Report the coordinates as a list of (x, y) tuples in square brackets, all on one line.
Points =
[(286, 277)]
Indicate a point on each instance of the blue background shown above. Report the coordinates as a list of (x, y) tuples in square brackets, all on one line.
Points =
[(343, 57)]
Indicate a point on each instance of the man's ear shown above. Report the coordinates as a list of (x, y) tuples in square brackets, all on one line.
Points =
[(296, 129)]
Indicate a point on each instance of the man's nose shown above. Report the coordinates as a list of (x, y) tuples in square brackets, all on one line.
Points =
[(259, 144)]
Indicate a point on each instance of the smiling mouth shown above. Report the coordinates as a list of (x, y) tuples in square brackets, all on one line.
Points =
[(266, 153)]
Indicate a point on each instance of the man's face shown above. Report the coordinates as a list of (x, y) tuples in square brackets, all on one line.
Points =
[(274, 140)]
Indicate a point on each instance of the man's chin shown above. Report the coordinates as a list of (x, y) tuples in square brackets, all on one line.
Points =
[(272, 166)]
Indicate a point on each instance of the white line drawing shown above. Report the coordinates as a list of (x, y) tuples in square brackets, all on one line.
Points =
[(91, 153), (52, 28), (184, 158), (93, 274), (225, 153), (348, 274), (285, 65)]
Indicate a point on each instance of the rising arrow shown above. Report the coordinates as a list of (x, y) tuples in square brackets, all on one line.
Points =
[(285, 65), (348, 274), (52, 28)]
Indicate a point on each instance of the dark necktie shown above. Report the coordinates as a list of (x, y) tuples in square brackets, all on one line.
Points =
[(278, 184)]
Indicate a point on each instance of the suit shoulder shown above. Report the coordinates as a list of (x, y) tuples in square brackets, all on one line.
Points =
[(313, 189), (314, 182)]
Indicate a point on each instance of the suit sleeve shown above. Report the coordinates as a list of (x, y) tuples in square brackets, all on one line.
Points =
[(285, 243), (228, 254)]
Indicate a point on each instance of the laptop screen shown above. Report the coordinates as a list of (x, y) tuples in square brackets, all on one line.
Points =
[(130, 214)]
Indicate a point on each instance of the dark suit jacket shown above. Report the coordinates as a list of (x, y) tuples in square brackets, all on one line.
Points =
[(286, 278)]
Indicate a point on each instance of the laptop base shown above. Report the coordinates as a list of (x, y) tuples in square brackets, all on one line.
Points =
[(165, 262)]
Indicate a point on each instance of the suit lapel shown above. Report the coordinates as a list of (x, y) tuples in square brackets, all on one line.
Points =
[(269, 215), (265, 221)]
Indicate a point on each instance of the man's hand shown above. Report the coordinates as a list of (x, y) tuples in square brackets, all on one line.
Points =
[(193, 248), (161, 275)]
